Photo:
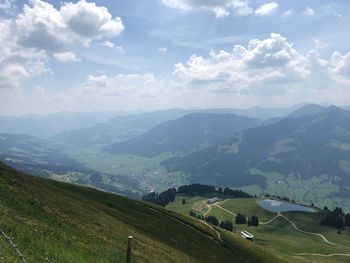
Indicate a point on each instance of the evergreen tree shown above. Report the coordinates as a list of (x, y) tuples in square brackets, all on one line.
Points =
[(240, 219)]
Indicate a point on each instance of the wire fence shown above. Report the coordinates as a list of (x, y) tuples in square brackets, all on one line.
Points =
[(14, 246)]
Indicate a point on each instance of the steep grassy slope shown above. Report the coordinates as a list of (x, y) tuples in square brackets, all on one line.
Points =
[(57, 222)]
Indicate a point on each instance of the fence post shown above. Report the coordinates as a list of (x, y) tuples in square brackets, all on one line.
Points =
[(128, 252)]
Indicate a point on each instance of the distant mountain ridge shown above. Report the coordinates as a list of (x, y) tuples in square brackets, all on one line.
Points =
[(307, 146), (186, 134), (52, 124)]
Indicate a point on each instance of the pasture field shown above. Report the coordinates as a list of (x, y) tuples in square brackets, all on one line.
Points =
[(305, 240)]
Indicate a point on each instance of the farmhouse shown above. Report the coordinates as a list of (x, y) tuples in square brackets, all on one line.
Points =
[(247, 235), (213, 200)]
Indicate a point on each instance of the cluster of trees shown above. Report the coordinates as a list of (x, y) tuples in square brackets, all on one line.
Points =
[(196, 189), (240, 219), (228, 225), (168, 196), (336, 218), (161, 199), (253, 221), (201, 189)]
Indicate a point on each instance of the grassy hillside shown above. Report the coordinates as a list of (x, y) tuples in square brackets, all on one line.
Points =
[(275, 233), (57, 222)]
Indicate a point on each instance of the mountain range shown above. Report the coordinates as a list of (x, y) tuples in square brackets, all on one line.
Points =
[(305, 155), (183, 135)]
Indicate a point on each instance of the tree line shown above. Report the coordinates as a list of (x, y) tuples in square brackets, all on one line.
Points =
[(243, 219), (161, 199), (228, 225), (164, 198), (201, 189), (336, 218)]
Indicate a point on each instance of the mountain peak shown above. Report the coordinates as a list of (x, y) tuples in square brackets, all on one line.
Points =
[(306, 110)]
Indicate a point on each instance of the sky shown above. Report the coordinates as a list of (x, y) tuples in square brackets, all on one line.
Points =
[(157, 54)]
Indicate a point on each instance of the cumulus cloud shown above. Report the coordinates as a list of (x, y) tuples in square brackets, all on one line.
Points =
[(267, 9), (6, 4), (89, 21), (66, 57), (15, 62), (265, 67), (42, 26), (29, 37), (309, 11), (162, 49), (220, 7), (340, 67)]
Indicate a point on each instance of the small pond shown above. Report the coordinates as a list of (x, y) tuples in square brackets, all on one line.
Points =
[(279, 206)]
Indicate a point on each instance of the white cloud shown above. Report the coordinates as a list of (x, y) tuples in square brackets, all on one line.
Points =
[(42, 26), (90, 21), (111, 45), (145, 85), (340, 67), (319, 43), (267, 9), (17, 63), (264, 67), (309, 11), (66, 57), (288, 13), (6, 4), (162, 49), (40, 29), (221, 8)]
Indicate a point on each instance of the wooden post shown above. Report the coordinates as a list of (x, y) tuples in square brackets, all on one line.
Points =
[(128, 252)]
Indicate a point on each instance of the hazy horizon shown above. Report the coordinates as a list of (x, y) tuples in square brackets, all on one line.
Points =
[(156, 54), (140, 111)]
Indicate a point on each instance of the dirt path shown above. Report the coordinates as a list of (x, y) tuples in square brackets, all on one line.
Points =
[(306, 232), (324, 255), (224, 209), (207, 212), (307, 260), (272, 219)]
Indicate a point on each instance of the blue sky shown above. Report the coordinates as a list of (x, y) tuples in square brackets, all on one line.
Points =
[(156, 54)]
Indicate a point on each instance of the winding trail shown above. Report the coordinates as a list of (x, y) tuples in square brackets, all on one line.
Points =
[(307, 260), (298, 229), (207, 212), (324, 255), (272, 219), (306, 232), (279, 214)]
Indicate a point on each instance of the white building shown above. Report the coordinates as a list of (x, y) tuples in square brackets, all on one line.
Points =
[(213, 200), (247, 235)]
